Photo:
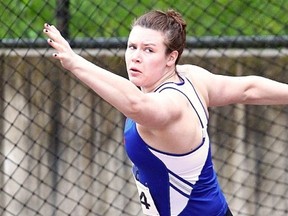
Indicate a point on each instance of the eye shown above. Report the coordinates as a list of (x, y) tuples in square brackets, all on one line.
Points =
[(148, 50), (131, 47)]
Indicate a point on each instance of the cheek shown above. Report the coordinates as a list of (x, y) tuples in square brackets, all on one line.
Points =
[(157, 64)]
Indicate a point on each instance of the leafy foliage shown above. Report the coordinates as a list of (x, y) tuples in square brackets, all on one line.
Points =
[(97, 18)]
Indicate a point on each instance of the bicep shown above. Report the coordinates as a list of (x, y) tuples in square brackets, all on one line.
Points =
[(221, 90), (225, 90), (216, 90)]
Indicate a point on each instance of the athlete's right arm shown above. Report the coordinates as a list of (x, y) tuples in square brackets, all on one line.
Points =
[(150, 110), (115, 89)]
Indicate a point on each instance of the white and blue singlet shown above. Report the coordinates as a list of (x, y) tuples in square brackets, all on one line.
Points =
[(176, 184)]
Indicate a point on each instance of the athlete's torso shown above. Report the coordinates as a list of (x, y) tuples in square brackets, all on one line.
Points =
[(183, 184)]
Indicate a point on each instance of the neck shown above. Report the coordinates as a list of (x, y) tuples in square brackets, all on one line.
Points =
[(172, 76)]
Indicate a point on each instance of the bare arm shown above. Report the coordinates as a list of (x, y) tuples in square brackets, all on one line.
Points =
[(146, 109), (247, 90), (224, 90)]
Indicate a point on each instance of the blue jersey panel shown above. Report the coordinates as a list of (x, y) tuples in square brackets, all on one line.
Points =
[(149, 170)]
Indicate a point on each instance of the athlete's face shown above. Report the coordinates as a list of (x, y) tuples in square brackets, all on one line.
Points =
[(145, 57)]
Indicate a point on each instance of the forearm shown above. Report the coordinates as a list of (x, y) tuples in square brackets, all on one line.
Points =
[(116, 90)]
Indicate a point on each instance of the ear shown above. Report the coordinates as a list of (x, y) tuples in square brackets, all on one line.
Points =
[(172, 58)]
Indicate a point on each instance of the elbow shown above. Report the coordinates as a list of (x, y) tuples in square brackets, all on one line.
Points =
[(251, 93), (133, 106)]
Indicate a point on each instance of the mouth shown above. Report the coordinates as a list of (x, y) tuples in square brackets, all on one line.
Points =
[(134, 69)]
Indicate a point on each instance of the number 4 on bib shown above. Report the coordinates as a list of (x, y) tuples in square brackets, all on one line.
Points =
[(143, 200), (147, 203)]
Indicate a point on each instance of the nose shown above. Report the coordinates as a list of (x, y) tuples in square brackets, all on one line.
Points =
[(136, 56)]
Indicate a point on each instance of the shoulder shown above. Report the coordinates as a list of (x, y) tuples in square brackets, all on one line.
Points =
[(200, 77), (188, 69)]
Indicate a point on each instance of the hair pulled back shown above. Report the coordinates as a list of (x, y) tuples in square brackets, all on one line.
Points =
[(171, 24)]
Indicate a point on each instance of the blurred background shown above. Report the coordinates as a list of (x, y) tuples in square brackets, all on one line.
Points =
[(61, 146)]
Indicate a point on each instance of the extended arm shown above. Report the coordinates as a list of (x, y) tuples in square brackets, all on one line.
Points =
[(247, 90), (116, 90), (146, 109), (224, 90)]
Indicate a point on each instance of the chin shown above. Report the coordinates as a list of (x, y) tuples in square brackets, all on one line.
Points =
[(134, 81)]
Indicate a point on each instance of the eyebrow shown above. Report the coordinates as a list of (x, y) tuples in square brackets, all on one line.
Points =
[(149, 44), (145, 44)]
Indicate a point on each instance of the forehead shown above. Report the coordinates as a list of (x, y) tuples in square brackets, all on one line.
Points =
[(140, 34)]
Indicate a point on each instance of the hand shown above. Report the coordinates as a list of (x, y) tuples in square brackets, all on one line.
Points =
[(64, 52)]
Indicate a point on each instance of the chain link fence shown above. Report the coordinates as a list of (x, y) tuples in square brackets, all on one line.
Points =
[(61, 149)]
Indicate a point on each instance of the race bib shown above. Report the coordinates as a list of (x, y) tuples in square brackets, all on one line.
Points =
[(146, 200)]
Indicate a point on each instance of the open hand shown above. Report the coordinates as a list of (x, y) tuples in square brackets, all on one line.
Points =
[(64, 52)]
